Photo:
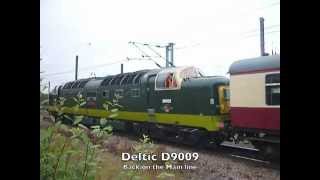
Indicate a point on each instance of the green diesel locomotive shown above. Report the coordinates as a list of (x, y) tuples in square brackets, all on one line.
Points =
[(178, 104)]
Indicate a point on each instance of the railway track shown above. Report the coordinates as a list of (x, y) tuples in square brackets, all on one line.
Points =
[(250, 155), (243, 153), (236, 152)]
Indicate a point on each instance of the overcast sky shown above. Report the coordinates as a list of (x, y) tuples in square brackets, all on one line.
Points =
[(208, 34)]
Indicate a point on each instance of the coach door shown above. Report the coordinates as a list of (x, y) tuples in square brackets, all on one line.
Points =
[(150, 91)]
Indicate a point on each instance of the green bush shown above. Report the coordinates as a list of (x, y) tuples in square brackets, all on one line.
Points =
[(70, 152), (66, 157)]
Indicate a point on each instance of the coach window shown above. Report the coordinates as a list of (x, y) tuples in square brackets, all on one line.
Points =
[(273, 89)]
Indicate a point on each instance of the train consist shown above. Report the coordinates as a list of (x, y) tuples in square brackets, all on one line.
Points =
[(179, 104)]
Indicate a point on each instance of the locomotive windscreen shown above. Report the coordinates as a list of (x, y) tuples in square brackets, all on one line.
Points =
[(171, 79)]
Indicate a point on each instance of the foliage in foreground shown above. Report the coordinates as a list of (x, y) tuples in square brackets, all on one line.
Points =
[(146, 146), (74, 152), (66, 156), (70, 152)]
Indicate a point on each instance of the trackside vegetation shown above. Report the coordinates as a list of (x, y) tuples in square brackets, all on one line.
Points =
[(74, 151)]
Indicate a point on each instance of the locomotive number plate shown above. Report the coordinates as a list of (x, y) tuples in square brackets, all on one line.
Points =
[(166, 100)]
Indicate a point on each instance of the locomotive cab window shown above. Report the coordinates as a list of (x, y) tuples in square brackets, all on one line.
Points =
[(273, 89), (171, 79), (166, 80)]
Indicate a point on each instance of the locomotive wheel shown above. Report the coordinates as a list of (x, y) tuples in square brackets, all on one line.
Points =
[(63, 120), (140, 129), (202, 142), (215, 140), (128, 127), (67, 121), (193, 139), (201, 139)]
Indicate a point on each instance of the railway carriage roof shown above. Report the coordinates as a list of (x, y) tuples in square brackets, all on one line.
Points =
[(255, 64)]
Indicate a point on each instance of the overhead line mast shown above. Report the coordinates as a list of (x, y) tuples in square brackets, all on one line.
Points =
[(262, 50), (169, 52)]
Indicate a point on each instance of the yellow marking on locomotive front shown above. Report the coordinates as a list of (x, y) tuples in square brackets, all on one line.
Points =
[(208, 122), (224, 102)]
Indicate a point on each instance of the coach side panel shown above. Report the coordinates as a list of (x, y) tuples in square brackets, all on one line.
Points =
[(249, 107)]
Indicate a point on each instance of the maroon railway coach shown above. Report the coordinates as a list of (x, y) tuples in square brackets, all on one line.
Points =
[(255, 99)]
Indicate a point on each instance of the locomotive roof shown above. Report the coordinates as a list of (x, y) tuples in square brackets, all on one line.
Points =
[(100, 81), (255, 64), (93, 83), (124, 78)]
